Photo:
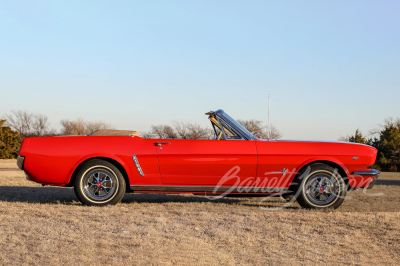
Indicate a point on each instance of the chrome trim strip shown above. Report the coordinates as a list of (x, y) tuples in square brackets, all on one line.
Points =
[(244, 190), (138, 165), (373, 172), (283, 171)]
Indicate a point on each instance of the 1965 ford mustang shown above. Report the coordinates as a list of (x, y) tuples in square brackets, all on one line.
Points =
[(107, 163)]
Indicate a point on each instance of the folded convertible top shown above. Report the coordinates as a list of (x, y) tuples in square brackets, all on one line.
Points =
[(108, 132)]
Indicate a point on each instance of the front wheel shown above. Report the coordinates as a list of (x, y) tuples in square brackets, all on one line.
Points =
[(99, 183), (321, 186)]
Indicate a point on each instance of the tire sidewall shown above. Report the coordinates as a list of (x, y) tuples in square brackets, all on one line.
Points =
[(99, 164), (303, 199)]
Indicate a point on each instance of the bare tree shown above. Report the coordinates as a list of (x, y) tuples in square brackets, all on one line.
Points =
[(344, 138), (274, 133), (198, 132), (76, 127), (40, 125), (257, 128), (179, 130), (391, 122), (81, 127), (183, 130), (163, 132), (20, 121), (29, 124), (192, 131), (148, 135), (94, 126)]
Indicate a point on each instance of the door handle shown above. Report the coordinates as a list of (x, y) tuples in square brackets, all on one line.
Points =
[(160, 143)]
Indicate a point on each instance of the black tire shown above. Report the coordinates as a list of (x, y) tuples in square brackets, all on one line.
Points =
[(320, 186), (99, 183)]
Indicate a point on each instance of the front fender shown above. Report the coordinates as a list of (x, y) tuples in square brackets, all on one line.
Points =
[(321, 159)]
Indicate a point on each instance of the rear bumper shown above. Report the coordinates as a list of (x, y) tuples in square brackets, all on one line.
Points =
[(371, 175), (20, 162)]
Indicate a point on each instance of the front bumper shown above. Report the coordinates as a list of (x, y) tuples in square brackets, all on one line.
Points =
[(373, 174)]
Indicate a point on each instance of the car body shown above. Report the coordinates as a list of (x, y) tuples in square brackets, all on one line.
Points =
[(234, 161)]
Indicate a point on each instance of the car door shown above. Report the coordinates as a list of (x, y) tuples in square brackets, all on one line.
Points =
[(207, 162), (277, 161)]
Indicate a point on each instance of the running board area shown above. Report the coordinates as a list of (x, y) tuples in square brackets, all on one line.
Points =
[(265, 190)]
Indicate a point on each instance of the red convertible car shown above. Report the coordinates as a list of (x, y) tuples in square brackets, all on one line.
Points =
[(104, 165)]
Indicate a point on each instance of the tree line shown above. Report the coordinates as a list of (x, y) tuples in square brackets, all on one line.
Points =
[(386, 140), (184, 130), (18, 125)]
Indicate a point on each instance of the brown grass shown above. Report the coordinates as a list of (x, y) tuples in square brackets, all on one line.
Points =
[(48, 225)]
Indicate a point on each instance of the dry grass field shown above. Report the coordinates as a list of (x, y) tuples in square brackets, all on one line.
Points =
[(47, 225)]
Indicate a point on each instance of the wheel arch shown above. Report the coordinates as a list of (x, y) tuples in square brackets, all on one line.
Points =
[(342, 170), (107, 159)]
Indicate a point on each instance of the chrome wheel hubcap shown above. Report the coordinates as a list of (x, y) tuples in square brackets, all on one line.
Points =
[(322, 189), (99, 185)]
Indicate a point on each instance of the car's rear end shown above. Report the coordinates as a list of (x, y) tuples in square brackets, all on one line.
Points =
[(38, 163), (53, 160), (21, 156), (50, 160)]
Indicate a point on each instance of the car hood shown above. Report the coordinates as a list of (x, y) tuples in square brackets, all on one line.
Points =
[(315, 141)]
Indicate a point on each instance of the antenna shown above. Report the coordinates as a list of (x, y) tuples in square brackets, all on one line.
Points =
[(269, 124)]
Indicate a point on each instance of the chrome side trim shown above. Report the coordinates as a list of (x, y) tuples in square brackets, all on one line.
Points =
[(373, 172), (283, 171), (138, 165), (244, 190)]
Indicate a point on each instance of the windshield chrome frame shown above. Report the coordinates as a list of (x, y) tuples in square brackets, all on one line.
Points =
[(223, 129), (233, 127)]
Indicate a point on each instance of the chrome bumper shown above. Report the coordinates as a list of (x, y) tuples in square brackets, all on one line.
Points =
[(374, 173), (20, 162)]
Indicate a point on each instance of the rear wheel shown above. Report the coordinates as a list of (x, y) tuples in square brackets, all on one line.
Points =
[(99, 183), (320, 187)]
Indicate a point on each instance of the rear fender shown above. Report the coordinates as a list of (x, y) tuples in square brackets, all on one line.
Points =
[(97, 155)]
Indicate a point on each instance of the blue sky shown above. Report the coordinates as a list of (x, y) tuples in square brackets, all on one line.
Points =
[(330, 66)]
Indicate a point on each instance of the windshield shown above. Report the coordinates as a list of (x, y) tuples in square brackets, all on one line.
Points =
[(242, 130)]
